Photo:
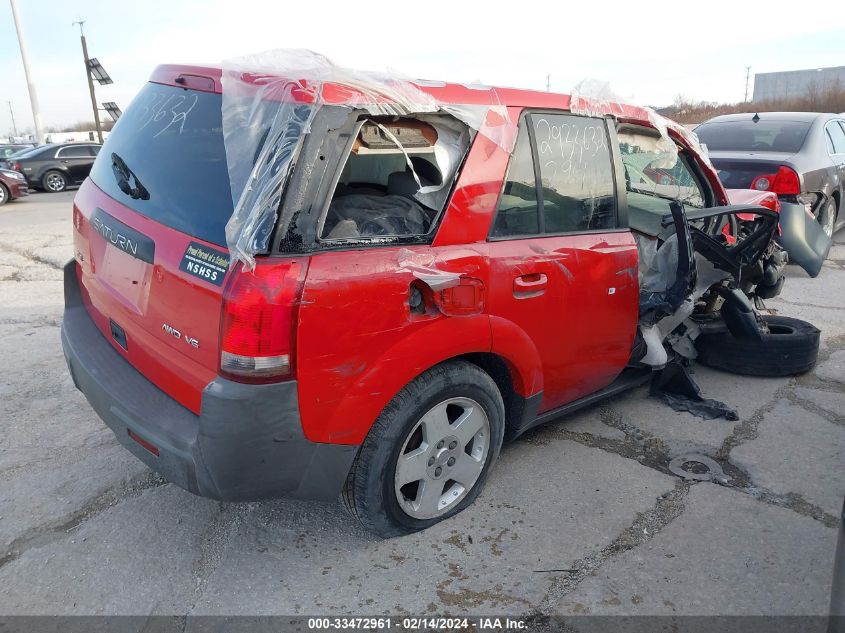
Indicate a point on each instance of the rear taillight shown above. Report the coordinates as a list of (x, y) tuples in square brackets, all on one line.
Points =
[(784, 183), (259, 319), (16, 166)]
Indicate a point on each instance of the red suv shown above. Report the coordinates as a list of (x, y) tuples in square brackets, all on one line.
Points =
[(423, 291)]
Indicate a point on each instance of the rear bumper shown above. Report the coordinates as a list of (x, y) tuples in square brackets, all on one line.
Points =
[(246, 444), (802, 238), (19, 189)]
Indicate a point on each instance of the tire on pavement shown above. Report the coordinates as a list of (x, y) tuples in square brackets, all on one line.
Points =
[(409, 471), (789, 348), (5, 196), (827, 217)]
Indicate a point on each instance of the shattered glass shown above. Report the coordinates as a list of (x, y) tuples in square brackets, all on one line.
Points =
[(269, 102)]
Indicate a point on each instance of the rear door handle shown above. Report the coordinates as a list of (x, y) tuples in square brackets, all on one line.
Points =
[(531, 285)]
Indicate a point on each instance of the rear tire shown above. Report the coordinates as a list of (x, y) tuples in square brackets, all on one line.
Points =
[(827, 217), (376, 492), (790, 348), (54, 182), (5, 196)]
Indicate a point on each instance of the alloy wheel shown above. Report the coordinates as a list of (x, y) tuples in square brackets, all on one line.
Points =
[(55, 182), (442, 458)]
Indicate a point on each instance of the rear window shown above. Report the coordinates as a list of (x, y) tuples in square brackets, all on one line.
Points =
[(747, 136), (34, 152), (170, 141)]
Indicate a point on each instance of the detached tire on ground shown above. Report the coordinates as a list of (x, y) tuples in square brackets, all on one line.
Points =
[(430, 451), (790, 348)]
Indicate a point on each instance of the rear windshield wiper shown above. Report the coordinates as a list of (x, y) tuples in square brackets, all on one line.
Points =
[(124, 175)]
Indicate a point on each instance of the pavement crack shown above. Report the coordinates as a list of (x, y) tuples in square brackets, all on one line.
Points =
[(33, 323), (747, 428), (807, 305), (213, 541), (646, 526), (812, 407), (51, 532), (646, 449), (28, 254), (741, 482)]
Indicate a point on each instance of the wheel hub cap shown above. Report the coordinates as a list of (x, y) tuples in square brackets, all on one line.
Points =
[(442, 458)]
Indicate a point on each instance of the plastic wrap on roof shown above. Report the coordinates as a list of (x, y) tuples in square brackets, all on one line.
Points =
[(592, 97), (269, 102)]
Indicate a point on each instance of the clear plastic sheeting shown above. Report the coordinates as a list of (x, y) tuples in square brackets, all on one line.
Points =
[(592, 97), (269, 102), (422, 266)]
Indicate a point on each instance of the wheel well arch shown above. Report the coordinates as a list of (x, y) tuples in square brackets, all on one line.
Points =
[(502, 373)]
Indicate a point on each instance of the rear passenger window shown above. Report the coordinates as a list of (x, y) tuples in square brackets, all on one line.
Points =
[(837, 137), (569, 188), (77, 151), (517, 212), (576, 173), (396, 179)]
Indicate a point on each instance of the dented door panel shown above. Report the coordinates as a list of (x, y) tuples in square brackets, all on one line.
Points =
[(583, 322), (359, 340)]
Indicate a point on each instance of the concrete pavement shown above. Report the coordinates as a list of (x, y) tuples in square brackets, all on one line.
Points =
[(581, 516)]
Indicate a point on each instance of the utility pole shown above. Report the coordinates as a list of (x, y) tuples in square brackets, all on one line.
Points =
[(747, 75), (90, 81), (30, 83), (548, 83), (14, 125)]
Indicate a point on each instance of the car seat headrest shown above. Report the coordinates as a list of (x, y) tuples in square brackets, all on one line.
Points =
[(429, 174), (402, 183)]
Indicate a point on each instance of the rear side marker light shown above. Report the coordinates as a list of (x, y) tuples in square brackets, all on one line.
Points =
[(152, 448)]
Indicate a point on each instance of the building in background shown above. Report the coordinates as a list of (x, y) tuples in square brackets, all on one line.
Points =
[(797, 83)]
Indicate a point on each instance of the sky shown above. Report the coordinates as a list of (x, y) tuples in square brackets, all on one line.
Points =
[(649, 52)]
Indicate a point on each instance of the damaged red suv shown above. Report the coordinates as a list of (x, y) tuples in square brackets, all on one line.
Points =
[(413, 288)]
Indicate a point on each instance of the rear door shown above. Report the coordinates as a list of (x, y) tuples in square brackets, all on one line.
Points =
[(77, 160), (835, 131), (563, 265), (150, 237)]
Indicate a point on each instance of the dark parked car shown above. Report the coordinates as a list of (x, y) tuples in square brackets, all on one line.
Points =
[(12, 185), (55, 167), (9, 149), (9, 161), (800, 156)]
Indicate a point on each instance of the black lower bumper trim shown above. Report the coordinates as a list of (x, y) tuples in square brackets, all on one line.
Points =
[(246, 444)]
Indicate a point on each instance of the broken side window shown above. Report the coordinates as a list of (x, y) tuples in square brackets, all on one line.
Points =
[(396, 179)]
